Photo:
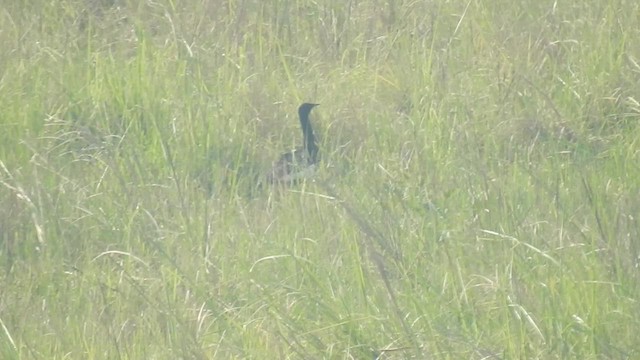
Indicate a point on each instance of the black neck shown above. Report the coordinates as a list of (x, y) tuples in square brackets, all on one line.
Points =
[(309, 139)]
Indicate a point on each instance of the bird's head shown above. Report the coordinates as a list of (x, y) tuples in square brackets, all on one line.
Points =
[(305, 109)]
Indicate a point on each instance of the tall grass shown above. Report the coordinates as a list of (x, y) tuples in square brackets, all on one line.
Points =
[(478, 194)]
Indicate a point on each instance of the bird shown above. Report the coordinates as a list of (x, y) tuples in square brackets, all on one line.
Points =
[(300, 163)]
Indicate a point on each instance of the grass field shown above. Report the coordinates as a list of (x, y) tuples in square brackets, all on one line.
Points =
[(478, 196)]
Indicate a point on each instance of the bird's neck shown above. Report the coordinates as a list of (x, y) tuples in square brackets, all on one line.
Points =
[(309, 139)]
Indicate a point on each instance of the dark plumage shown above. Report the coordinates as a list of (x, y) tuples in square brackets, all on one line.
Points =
[(301, 162)]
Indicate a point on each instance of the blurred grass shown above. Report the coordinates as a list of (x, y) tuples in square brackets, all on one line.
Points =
[(478, 196)]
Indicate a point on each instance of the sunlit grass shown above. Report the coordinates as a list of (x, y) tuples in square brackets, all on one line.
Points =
[(477, 196)]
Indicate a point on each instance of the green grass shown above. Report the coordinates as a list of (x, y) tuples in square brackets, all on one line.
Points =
[(478, 195)]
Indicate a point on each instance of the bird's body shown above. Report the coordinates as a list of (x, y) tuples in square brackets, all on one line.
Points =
[(300, 163)]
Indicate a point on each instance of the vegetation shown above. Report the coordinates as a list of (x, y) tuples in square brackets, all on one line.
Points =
[(478, 195)]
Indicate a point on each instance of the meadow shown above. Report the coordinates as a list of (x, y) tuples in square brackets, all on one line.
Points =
[(478, 195)]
